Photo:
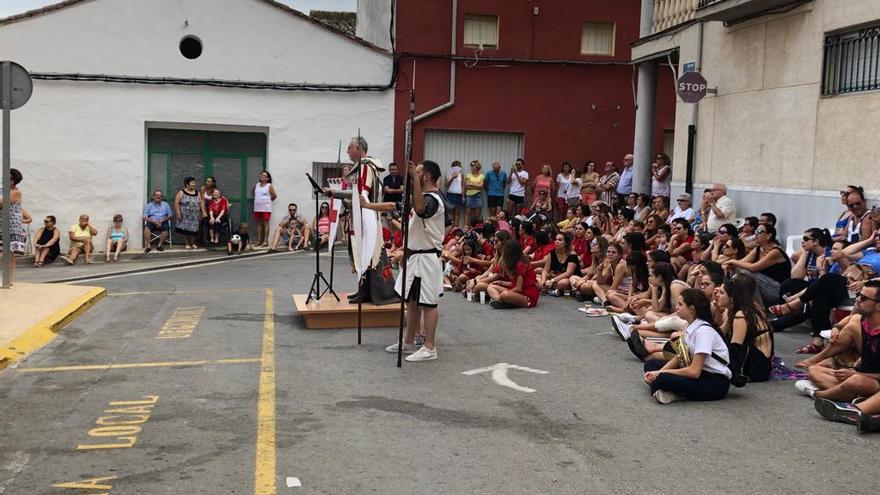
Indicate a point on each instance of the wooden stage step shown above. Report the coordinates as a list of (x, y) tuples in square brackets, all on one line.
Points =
[(328, 313)]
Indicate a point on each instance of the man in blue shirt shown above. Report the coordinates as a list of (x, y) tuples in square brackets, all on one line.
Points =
[(625, 186), (157, 221), (495, 181)]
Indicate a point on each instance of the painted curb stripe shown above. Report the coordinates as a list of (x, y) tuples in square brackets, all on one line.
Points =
[(45, 331)]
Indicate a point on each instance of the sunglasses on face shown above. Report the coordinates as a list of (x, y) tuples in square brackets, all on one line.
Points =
[(851, 206), (808, 238), (704, 285), (844, 193), (862, 296), (722, 232)]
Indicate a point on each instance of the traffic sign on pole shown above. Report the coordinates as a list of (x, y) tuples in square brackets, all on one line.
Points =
[(16, 88), (691, 87)]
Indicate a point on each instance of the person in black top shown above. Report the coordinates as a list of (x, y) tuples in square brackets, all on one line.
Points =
[(767, 263), (862, 381), (559, 266), (748, 330), (392, 185)]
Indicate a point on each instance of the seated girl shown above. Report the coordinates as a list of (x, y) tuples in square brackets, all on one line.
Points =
[(663, 293), (518, 286), (699, 371), (321, 226), (593, 271), (493, 272), (633, 290), (681, 244), (609, 274), (559, 265), (747, 328), (463, 271)]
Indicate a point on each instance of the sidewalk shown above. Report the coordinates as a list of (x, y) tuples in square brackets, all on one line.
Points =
[(132, 262), (34, 313)]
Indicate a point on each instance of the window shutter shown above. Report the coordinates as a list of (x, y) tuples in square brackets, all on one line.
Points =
[(597, 38)]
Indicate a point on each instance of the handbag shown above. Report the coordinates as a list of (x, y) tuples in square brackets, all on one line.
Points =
[(382, 282)]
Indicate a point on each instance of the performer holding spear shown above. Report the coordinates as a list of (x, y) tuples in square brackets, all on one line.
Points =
[(423, 286)]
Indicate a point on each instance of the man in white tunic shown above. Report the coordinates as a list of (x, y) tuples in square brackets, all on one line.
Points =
[(424, 270)]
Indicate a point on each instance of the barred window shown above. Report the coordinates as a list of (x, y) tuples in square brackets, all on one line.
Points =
[(481, 30), (851, 62), (597, 38)]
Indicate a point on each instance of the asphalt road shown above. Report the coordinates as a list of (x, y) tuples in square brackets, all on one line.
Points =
[(194, 412)]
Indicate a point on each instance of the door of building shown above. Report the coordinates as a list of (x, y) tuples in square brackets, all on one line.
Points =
[(443, 147), (234, 159)]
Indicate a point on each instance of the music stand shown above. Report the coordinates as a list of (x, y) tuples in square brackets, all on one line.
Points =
[(315, 291)]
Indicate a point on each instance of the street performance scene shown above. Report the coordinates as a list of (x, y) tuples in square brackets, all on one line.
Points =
[(451, 246)]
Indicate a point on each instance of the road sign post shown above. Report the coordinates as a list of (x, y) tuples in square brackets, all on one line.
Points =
[(16, 88)]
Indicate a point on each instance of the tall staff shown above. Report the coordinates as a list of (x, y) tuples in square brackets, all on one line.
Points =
[(405, 219)]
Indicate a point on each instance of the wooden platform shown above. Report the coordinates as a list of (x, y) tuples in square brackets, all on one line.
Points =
[(328, 313)]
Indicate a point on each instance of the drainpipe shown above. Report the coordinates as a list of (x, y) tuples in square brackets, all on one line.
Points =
[(451, 101), (643, 142)]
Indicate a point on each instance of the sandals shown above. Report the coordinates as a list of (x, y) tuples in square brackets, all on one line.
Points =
[(811, 348), (783, 309)]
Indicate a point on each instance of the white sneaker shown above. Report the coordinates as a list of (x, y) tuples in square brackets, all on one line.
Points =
[(666, 397), (407, 348), (825, 334), (620, 327), (627, 318), (596, 300), (806, 387), (423, 354)]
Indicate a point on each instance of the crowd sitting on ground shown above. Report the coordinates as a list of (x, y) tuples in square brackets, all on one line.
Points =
[(696, 293)]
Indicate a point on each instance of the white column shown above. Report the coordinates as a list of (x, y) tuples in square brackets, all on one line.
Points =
[(643, 143), (646, 26)]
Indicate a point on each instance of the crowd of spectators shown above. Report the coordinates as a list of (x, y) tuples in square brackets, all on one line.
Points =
[(696, 292)]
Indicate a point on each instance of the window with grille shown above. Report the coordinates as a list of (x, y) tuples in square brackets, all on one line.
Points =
[(597, 38), (852, 61), (481, 30)]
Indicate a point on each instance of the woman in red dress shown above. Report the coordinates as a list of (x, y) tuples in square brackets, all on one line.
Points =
[(518, 286)]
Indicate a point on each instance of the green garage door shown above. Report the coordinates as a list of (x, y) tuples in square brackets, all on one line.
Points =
[(235, 159)]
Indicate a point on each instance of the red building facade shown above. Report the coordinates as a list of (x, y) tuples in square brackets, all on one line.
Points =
[(535, 82)]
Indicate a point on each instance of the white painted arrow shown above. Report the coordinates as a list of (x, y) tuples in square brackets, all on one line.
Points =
[(499, 375)]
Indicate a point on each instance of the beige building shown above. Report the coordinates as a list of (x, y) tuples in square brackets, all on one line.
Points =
[(793, 110)]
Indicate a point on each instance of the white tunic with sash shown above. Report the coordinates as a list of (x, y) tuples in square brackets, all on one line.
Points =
[(424, 270)]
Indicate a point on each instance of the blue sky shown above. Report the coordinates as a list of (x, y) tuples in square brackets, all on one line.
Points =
[(11, 7)]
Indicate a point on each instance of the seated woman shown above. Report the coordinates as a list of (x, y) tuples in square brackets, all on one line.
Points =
[(622, 224), (581, 286), (518, 286), (660, 207), (601, 216), (462, 270), (80, 235), (117, 239), (700, 370), (542, 206), (681, 244), (643, 207), (661, 238), (699, 247), (543, 246), (218, 221), (633, 291), (493, 272), (48, 243), (664, 293), (611, 274), (559, 265), (526, 238), (747, 232), (580, 244), (567, 224), (651, 225), (747, 328), (734, 249), (321, 226), (767, 264), (725, 233)]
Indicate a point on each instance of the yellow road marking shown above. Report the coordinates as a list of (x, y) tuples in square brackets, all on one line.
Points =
[(165, 364), (182, 323), (196, 291), (264, 470)]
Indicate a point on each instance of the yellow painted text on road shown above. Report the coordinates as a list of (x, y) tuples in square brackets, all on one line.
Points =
[(119, 426), (90, 484), (182, 323)]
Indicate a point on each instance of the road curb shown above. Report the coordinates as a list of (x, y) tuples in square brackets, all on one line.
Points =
[(45, 331), (213, 259)]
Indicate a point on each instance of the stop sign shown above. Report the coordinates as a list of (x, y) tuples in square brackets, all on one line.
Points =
[(691, 87)]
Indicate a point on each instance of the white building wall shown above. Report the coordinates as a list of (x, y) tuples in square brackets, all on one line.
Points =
[(768, 133), (82, 145), (374, 22)]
